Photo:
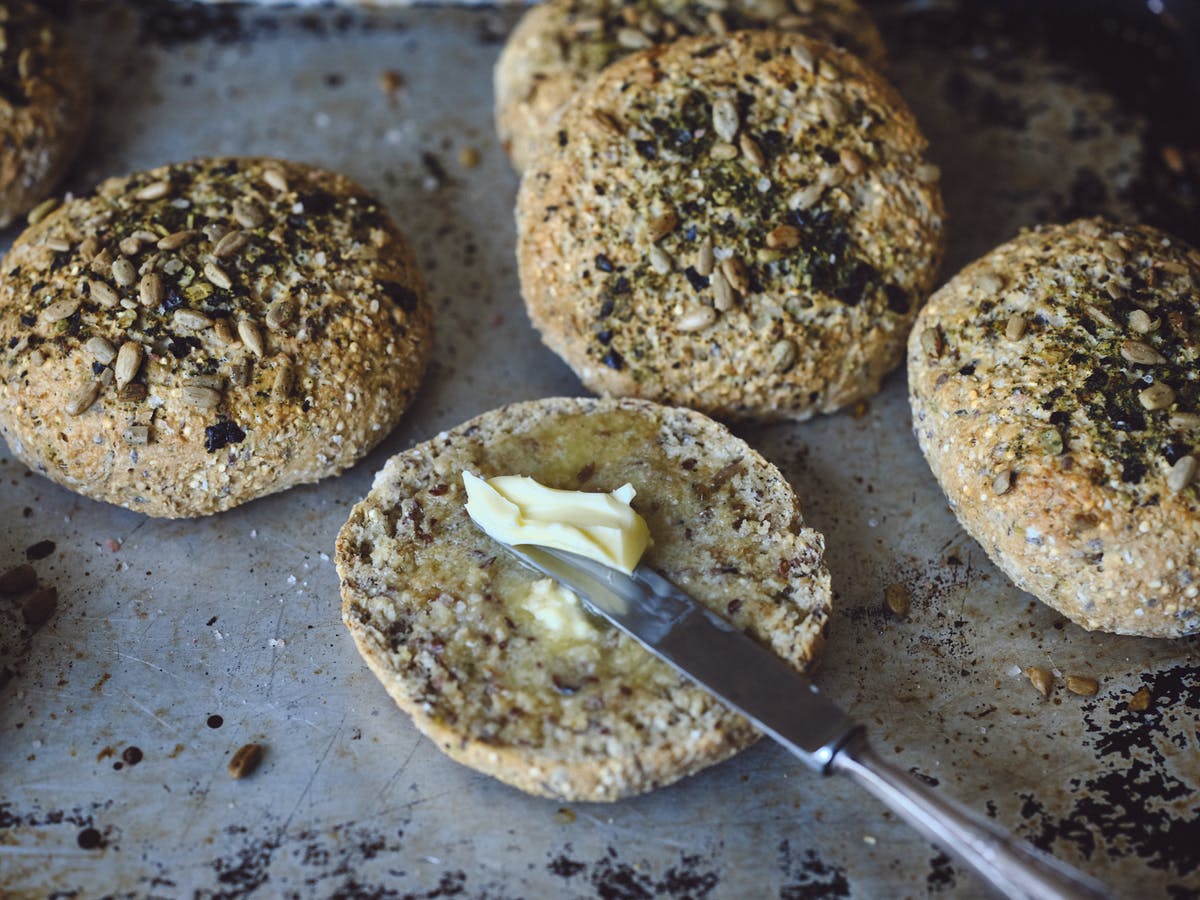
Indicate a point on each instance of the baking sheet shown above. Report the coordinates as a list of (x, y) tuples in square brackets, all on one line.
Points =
[(186, 640)]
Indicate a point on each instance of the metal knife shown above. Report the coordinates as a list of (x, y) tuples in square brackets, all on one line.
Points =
[(788, 707)]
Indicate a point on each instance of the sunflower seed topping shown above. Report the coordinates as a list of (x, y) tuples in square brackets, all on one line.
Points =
[(129, 360), (101, 348), (660, 261), (103, 293), (276, 179), (704, 256), (42, 210), (725, 119), (783, 355), (83, 398), (138, 435), (175, 240), (932, 341), (608, 122), (1002, 482), (1184, 421), (1181, 474), (783, 237), (722, 151), (134, 392), (927, 173), (723, 295), (281, 387), (804, 57), (280, 313), (230, 243), (1157, 396), (251, 336), (216, 276), (736, 273), (123, 272), (1140, 321), (1141, 354), (60, 309), (194, 319), (153, 191), (851, 161), (224, 331), (150, 290), (248, 214), (695, 317), (201, 396), (633, 39), (751, 151), (660, 226), (806, 197), (1015, 329), (130, 246)]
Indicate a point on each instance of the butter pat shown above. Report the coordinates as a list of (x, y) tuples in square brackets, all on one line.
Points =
[(514, 509), (557, 610)]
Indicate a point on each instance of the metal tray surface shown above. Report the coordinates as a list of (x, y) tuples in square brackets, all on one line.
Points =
[(175, 642)]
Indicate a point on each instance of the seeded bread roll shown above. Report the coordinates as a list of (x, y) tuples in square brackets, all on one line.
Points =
[(44, 107), (186, 339), (744, 226), (559, 46), (1054, 392), (436, 606)]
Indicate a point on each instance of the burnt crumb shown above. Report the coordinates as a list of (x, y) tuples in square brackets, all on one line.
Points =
[(131, 755), (225, 432), (214, 721), (40, 550), (564, 867), (810, 878), (941, 874), (90, 839)]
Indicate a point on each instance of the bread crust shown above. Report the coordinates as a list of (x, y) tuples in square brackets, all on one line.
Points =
[(434, 604), (559, 46), (1054, 394), (191, 337), (824, 219), (45, 108)]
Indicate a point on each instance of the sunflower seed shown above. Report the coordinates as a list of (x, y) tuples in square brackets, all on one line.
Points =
[(185, 317), (1015, 329), (239, 373), (201, 396), (660, 261), (704, 256), (725, 119), (806, 197), (134, 392), (123, 272), (280, 313), (1114, 290), (1140, 321), (246, 760), (1002, 482), (60, 309), (251, 336), (224, 331), (695, 317), (83, 398), (783, 237), (783, 355), (138, 435), (88, 247), (722, 151), (716, 24), (150, 289), (216, 276), (281, 387), (927, 173), (153, 191), (932, 341), (833, 110), (1157, 396), (803, 55), (1141, 354), (660, 226), (851, 161), (736, 273), (1184, 421), (276, 179), (129, 360), (230, 243), (1099, 315), (175, 240), (248, 214), (101, 348), (633, 39), (130, 246), (42, 210), (1181, 474), (723, 295), (752, 151), (608, 122)]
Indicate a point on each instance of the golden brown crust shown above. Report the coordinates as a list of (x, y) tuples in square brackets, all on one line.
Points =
[(805, 171), (44, 107), (434, 604), (191, 337), (1054, 393), (559, 46)]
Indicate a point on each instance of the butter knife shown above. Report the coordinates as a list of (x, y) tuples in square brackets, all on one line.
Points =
[(787, 706)]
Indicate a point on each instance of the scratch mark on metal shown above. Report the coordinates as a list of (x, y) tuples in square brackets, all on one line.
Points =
[(313, 776)]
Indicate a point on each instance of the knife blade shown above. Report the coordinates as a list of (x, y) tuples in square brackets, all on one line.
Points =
[(787, 706)]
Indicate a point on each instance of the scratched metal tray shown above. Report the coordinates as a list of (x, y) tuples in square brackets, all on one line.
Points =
[(176, 642)]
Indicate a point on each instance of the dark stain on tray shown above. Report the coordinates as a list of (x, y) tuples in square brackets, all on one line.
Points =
[(809, 877), (1136, 800)]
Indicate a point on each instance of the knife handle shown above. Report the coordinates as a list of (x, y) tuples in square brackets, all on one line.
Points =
[(1013, 868)]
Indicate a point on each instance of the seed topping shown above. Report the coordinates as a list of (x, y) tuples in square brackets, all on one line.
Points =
[(723, 294), (150, 289), (725, 119), (82, 399), (153, 191), (251, 336), (280, 313), (129, 360), (194, 319), (1157, 396), (783, 355), (201, 396), (1181, 474), (248, 214), (101, 348), (704, 256), (216, 275), (751, 151), (123, 272), (660, 226), (1015, 329), (695, 317), (736, 273), (1002, 483), (60, 309), (1141, 354), (175, 240), (783, 237), (231, 243), (281, 387)]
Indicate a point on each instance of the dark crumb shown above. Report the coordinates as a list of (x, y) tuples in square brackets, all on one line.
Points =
[(246, 760), (40, 550)]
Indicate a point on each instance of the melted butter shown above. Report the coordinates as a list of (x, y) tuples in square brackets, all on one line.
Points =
[(514, 509)]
